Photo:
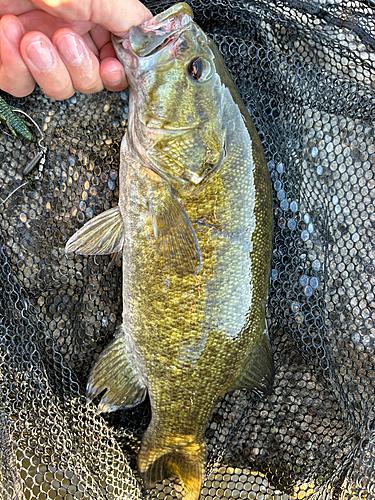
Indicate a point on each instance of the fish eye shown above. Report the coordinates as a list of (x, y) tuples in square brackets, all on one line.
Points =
[(199, 69)]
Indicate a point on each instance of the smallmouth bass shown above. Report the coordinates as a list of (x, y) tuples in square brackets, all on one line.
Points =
[(194, 223)]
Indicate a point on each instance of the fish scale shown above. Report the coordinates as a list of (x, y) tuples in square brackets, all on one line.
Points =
[(195, 225)]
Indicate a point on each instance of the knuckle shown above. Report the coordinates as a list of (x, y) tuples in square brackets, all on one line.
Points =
[(90, 87), (115, 88), (12, 88), (59, 94)]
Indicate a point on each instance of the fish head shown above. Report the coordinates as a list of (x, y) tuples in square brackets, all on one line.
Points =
[(176, 95)]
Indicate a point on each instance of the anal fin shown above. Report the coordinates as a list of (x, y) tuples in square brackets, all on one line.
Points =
[(102, 235), (258, 372), (114, 373)]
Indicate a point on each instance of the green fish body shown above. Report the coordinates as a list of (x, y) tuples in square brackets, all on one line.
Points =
[(194, 222)]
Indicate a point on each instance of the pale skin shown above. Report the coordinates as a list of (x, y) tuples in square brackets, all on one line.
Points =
[(64, 45)]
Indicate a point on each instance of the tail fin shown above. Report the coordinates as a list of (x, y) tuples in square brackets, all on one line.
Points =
[(157, 462)]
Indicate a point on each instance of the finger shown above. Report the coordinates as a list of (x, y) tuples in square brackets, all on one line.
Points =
[(116, 16), (111, 70), (90, 44), (119, 16), (46, 66), (15, 77), (100, 36), (37, 20), (15, 8), (112, 74), (82, 64)]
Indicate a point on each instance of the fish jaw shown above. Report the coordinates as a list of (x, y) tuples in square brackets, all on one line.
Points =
[(144, 40)]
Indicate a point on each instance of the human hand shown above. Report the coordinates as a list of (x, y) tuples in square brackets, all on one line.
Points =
[(64, 45)]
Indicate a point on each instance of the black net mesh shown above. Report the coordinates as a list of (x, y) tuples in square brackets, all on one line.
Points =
[(305, 70)]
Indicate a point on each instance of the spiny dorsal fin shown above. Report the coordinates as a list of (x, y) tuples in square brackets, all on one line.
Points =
[(176, 238), (115, 374), (102, 235), (258, 372)]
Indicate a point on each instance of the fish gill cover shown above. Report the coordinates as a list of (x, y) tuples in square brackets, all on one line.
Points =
[(305, 71)]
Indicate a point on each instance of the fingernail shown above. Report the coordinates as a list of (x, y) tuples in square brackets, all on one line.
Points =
[(113, 78), (13, 31), (41, 55), (71, 49)]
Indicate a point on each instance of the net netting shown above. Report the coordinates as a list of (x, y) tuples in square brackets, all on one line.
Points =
[(306, 72)]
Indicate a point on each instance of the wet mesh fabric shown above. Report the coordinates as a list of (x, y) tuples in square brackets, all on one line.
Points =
[(306, 72)]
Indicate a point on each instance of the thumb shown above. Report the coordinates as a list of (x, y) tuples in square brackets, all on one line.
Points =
[(116, 16)]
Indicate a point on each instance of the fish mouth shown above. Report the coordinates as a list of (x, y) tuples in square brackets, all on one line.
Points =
[(156, 33)]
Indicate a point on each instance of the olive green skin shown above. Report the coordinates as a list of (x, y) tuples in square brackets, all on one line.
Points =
[(193, 334), (14, 122)]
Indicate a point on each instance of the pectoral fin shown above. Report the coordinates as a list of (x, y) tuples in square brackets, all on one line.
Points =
[(258, 372), (176, 238), (115, 373), (102, 235)]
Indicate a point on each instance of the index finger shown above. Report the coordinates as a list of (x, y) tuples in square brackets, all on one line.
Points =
[(15, 77)]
